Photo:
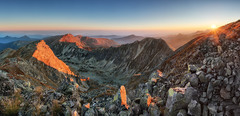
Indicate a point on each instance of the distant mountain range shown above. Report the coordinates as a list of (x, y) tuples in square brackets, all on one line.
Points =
[(15, 42), (178, 40), (128, 39), (8, 39), (14, 45)]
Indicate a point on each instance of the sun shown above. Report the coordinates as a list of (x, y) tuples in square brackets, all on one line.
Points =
[(213, 26)]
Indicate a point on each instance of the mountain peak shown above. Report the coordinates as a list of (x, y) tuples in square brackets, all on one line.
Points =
[(25, 37), (71, 39)]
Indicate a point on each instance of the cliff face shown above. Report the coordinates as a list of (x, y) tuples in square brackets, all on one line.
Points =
[(44, 54)]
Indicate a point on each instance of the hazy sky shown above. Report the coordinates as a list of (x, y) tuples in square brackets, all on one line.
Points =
[(117, 16)]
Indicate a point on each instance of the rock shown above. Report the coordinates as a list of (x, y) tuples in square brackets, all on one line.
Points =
[(228, 72), (228, 88), (191, 94), (203, 100), (112, 108), (66, 88), (234, 100), (225, 81), (209, 70), (6, 87), (210, 90), (182, 112), (220, 77), (219, 49), (236, 112), (202, 77), (90, 112), (216, 83), (136, 109), (43, 108), (192, 68), (225, 94), (209, 77), (220, 114), (205, 111), (101, 111), (212, 108), (204, 94), (123, 113), (143, 101), (231, 81), (194, 80), (175, 102), (217, 63), (67, 112), (194, 108), (154, 110)]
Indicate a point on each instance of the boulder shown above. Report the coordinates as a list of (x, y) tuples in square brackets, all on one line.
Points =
[(192, 68), (194, 108), (194, 80), (182, 112), (225, 94)]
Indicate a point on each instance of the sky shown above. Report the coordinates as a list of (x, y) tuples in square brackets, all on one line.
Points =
[(116, 16)]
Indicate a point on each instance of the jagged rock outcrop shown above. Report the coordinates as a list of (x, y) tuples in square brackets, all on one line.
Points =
[(44, 54)]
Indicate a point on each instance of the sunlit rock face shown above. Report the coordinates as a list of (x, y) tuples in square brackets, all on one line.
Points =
[(231, 30), (97, 42), (88, 43), (71, 39), (45, 54)]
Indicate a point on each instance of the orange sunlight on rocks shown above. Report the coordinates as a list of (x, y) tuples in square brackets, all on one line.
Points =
[(149, 100), (123, 96), (44, 54), (87, 105)]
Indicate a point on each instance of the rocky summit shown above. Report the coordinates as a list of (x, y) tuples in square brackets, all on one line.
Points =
[(70, 75)]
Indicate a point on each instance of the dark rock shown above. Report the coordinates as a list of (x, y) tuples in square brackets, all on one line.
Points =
[(225, 94), (43, 108), (212, 108), (194, 108), (192, 68), (228, 88), (175, 103), (205, 111), (91, 112), (216, 83), (182, 112), (101, 111), (154, 110), (113, 108), (234, 100), (194, 80), (217, 63), (190, 94), (123, 113), (203, 100), (202, 77), (210, 90), (225, 81), (236, 112), (228, 72)]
